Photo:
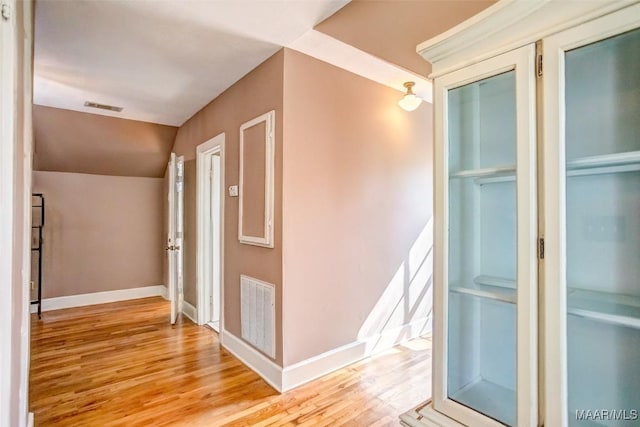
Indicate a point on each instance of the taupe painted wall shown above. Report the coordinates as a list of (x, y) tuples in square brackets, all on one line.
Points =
[(102, 233), (357, 196), (70, 141), (258, 92), (391, 29)]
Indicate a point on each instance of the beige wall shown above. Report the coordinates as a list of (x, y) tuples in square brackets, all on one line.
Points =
[(70, 141), (102, 233), (357, 195), (391, 29), (258, 92)]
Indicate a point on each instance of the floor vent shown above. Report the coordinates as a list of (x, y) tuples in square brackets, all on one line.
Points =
[(257, 314)]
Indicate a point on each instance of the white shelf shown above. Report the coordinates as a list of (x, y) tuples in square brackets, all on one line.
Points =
[(491, 399), (489, 287), (502, 171), (623, 310), (582, 166), (604, 164), (617, 159), (600, 306)]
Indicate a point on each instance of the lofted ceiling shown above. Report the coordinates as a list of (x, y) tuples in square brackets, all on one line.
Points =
[(160, 60), (163, 60)]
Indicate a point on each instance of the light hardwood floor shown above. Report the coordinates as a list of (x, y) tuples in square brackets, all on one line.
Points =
[(123, 364)]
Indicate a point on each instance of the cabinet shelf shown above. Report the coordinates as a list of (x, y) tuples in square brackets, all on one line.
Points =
[(489, 287), (498, 172), (581, 166), (600, 306), (604, 164), (605, 307)]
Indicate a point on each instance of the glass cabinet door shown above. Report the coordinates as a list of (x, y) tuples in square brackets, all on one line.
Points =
[(489, 151), (602, 137), (593, 292), (482, 246)]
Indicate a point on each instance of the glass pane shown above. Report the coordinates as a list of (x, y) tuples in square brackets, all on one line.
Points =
[(603, 231), (482, 247)]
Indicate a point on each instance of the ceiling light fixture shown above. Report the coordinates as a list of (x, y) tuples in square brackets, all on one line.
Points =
[(409, 101), (102, 106)]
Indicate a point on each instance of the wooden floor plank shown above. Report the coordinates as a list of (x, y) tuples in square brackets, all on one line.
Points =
[(122, 364)]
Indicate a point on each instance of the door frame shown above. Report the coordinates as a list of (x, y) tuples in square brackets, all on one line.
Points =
[(8, 201), (203, 203), (15, 155)]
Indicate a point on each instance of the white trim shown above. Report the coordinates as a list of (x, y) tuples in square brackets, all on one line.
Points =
[(190, 311), (505, 26), (426, 416), (8, 113), (270, 125), (30, 419), (164, 292), (317, 366), (171, 233), (104, 297), (27, 82), (212, 146), (253, 359), (335, 52)]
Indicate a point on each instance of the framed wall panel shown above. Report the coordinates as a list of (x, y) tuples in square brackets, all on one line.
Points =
[(255, 225)]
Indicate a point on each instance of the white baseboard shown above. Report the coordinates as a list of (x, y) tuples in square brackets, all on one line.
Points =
[(70, 301), (322, 364), (30, 419), (165, 292), (190, 311), (256, 361), (317, 366)]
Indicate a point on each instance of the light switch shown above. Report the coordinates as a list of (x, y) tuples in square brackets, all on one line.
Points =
[(233, 191)]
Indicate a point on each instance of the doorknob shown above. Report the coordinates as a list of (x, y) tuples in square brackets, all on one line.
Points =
[(169, 248)]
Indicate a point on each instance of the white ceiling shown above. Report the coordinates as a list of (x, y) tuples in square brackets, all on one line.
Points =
[(161, 60)]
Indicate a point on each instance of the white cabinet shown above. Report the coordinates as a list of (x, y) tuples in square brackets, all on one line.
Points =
[(537, 213)]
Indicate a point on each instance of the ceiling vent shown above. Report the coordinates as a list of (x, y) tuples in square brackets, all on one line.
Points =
[(103, 106)]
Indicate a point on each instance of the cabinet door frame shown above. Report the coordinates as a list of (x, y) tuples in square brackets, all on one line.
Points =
[(522, 61), (554, 159)]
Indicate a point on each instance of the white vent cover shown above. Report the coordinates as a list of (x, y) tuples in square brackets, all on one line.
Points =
[(257, 314)]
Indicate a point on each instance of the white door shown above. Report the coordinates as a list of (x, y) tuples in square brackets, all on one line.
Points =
[(175, 234)]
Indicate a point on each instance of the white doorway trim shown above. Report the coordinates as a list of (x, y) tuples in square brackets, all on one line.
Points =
[(204, 259), (8, 96)]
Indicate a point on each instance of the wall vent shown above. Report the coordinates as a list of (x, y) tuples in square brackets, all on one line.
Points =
[(102, 106), (257, 314)]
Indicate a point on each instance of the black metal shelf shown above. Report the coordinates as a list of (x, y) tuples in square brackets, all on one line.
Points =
[(38, 249)]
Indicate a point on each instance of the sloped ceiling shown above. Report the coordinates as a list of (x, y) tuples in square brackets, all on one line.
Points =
[(391, 30), (71, 141), (163, 60), (160, 60)]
